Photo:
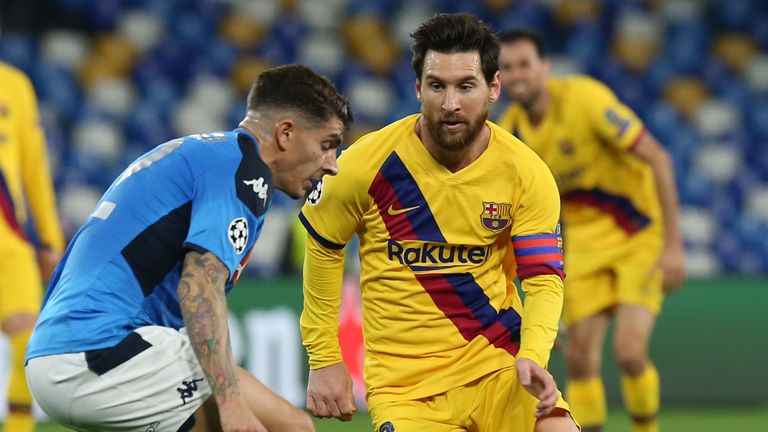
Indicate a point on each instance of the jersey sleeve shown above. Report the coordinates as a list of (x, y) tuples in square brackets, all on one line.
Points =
[(36, 175), (331, 216), (221, 222), (538, 253), (319, 323), (614, 122), (535, 232)]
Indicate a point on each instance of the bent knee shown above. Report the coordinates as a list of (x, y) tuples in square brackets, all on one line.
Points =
[(582, 363), (303, 422), (631, 360), (18, 323)]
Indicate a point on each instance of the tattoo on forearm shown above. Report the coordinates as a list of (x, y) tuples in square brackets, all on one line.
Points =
[(204, 308)]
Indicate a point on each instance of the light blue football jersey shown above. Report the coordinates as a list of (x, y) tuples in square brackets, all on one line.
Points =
[(206, 192)]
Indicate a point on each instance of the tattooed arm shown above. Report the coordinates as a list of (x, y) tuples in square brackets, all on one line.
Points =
[(204, 308)]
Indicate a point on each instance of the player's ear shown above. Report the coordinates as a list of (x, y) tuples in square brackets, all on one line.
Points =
[(284, 132), (495, 87), (418, 90)]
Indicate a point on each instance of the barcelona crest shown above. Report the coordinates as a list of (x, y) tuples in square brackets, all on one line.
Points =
[(496, 216)]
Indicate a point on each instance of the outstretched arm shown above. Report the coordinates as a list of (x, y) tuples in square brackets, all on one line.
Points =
[(672, 259), (204, 308)]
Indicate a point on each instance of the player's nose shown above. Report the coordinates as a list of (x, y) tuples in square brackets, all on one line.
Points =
[(451, 101), (330, 164)]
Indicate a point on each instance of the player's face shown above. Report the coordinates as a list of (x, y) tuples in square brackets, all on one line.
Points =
[(523, 73), (310, 154), (454, 97)]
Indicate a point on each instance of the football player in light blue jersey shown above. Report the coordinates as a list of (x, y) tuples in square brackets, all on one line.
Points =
[(161, 249)]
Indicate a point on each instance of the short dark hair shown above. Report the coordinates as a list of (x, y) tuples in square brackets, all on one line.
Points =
[(299, 88), (455, 33), (518, 34)]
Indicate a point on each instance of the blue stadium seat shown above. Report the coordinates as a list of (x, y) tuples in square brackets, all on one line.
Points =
[(734, 14), (220, 59), (19, 49), (102, 15), (585, 45), (686, 46), (757, 119), (56, 86), (192, 48), (527, 14), (148, 125)]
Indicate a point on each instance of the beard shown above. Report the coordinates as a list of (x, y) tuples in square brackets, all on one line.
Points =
[(526, 100), (455, 140)]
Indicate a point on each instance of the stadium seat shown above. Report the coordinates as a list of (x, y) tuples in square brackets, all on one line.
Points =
[(140, 72)]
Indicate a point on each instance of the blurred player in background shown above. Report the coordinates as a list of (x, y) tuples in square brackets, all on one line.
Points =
[(623, 249), (443, 203), (164, 245), (26, 193)]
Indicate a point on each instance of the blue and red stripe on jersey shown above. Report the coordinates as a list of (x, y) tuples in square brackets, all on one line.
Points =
[(395, 188), (457, 295), (465, 303), (8, 210), (624, 213), (538, 254)]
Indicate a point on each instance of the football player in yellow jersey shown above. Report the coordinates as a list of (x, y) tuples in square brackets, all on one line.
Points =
[(448, 208), (623, 249), (25, 184)]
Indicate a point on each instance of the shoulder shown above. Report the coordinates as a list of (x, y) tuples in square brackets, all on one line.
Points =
[(14, 80), (584, 86), (231, 160), (515, 154), (10, 74), (253, 178), (508, 116), (366, 155)]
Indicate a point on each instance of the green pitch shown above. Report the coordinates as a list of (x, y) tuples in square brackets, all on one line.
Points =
[(672, 420)]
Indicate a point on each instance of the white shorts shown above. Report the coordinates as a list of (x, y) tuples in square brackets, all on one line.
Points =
[(150, 382)]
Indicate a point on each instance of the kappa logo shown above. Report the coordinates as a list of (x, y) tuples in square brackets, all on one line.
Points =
[(260, 188), (394, 212), (237, 232), (189, 389), (153, 427), (317, 192)]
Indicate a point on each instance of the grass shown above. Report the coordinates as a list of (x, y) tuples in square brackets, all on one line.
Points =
[(672, 420)]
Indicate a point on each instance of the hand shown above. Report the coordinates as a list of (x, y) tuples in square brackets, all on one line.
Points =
[(47, 260), (329, 392), (672, 262), (236, 416), (538, 382)]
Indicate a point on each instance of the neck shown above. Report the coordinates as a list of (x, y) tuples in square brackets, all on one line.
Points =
[(254, 124), (453, 160), (537, 109)]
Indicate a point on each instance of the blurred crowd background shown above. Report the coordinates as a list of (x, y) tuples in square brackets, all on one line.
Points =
[(118, 77)]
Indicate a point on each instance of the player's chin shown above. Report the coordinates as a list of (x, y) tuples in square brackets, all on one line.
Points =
[(301, 191)]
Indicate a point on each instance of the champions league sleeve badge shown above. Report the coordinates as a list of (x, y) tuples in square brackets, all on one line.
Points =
[(316, 193), (238, 234)]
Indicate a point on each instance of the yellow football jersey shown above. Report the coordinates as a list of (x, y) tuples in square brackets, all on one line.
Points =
[(438, 251), (23, 167), (609, 194)]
